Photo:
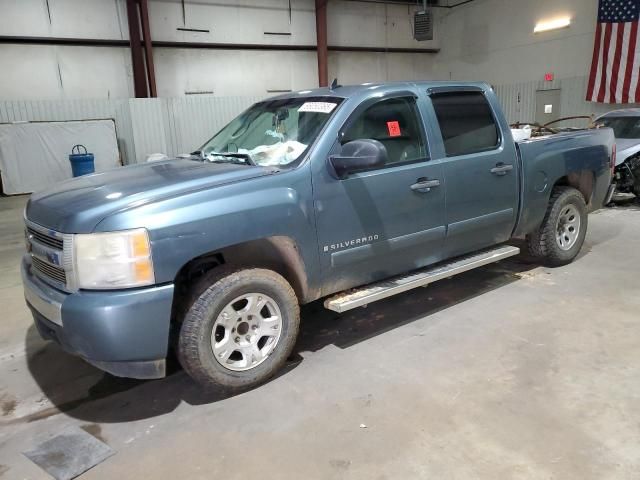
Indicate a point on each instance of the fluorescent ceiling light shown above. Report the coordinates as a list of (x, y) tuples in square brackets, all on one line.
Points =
[(554, 24)]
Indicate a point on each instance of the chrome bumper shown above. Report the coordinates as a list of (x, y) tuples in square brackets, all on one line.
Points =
[(39, 296)]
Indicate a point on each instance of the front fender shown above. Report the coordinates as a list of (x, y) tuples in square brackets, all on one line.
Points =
[(199, 223)]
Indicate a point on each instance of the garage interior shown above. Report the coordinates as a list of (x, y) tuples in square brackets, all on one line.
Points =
[(512, 370)]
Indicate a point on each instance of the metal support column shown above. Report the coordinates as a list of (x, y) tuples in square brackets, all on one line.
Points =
[(137, 57), (148, 47), (321, 35)]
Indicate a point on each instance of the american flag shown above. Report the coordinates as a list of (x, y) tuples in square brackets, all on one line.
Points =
[(615, 67)]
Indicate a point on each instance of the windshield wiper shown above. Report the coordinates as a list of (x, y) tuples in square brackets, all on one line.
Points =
[(242, 156)]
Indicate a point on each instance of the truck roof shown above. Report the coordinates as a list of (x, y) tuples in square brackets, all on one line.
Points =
[(369, 88)]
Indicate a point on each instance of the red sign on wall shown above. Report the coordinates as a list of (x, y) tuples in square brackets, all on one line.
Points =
[(548, 77)]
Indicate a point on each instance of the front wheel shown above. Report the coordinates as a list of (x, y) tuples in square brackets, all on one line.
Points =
[(560, 236), (240, 330)]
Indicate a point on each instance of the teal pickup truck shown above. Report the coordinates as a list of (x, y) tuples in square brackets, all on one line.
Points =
[(353, 193)]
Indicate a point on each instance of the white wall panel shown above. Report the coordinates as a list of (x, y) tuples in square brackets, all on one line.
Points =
[(143, 126), (372, 25), (360, 67), (96, 72), (29, 71), (230, 21), (519, 100), (24, 17), (148, 120), (493, 40), (193, 121), (51, 71), (41, 72), (105, 19), (79, 109), (232, 72), (245, 21), (43, 148)]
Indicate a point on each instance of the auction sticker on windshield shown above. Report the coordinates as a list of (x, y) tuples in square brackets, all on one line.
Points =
[(318, 107)]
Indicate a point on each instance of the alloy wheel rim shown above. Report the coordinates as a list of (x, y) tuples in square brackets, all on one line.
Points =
[(246, 331), (568, 227)]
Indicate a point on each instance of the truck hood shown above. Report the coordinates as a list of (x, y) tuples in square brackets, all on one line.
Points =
[(79, 204), (626, 148)]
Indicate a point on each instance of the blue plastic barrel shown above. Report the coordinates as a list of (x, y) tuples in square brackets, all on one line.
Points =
[(81, 163)]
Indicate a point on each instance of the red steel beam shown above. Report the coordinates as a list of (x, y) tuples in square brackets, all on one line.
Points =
[(321, 40), (148, 47), (137, 57)]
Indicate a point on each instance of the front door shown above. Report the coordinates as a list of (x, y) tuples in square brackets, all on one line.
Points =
[(480, 171), (380, 222)]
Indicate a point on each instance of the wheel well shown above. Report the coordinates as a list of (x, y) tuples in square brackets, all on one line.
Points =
[(276, 253), (583, 181)]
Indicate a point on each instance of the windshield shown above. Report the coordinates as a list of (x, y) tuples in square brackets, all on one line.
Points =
[(623, 127), (275, 132)]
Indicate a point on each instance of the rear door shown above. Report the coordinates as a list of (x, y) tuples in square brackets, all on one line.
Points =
[(384, 221), (480, 170)]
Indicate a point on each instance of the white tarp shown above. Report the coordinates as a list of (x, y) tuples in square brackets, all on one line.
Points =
[(34, 156), (520, 134)]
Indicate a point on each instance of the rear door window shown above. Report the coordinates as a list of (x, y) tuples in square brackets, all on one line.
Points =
[(466, 122)]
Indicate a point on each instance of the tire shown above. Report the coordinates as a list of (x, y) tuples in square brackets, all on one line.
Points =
[(547, 244), (250, 345)]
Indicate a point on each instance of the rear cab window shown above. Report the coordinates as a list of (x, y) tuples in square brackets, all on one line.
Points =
[(466, 122)]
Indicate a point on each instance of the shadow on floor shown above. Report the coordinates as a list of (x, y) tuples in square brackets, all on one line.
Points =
[(84, 392)]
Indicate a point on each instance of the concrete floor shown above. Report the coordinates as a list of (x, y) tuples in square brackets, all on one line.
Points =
[(510, 371)]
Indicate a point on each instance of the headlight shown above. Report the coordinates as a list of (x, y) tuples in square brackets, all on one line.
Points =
[(113, 260)]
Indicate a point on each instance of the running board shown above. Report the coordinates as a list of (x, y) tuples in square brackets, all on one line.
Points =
[(377, 291)]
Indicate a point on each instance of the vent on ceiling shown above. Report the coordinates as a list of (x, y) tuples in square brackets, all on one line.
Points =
[(423, 25)]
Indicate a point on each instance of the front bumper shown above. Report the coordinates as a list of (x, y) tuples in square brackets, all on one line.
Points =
[(124, 332)]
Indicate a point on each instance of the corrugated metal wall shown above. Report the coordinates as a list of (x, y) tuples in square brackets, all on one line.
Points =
[(519, 100), (180, 125), (144, 126), (192, 121), (62, 110)]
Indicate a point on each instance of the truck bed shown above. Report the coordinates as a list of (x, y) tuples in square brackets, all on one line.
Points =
[(583, 156)]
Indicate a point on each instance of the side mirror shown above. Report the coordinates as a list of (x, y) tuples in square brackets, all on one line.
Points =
[(357, 156)]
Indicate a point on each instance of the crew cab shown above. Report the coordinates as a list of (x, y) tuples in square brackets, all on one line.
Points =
[(353, 193)]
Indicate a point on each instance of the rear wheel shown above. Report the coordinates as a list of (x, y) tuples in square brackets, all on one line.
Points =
[(240, 329), (561, 234)]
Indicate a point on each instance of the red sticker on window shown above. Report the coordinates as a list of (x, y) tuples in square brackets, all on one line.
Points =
[(394, 128)]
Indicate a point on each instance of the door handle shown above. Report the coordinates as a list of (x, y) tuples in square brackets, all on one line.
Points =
[(501, 169), (424, 185)]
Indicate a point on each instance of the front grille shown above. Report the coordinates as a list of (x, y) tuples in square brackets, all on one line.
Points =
[(45, 239), (50, 271)]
